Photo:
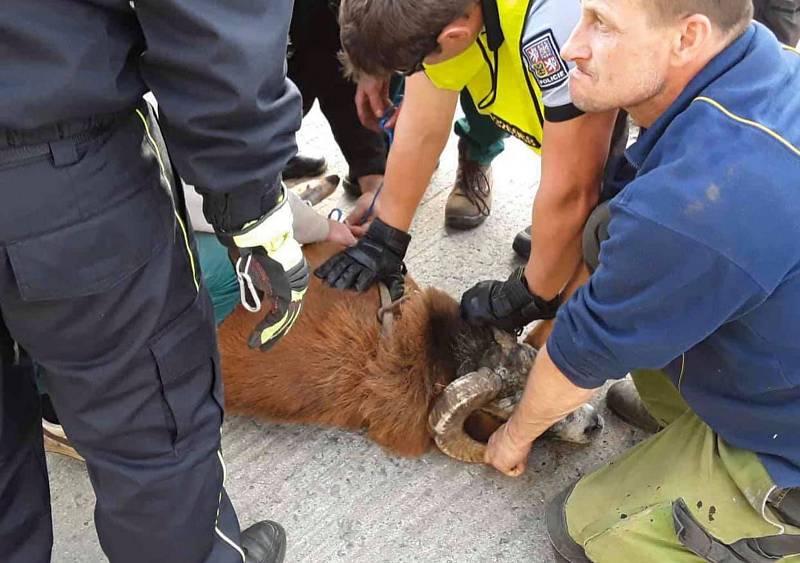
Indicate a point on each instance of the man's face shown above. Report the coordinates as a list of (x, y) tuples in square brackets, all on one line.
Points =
[(622, 58)]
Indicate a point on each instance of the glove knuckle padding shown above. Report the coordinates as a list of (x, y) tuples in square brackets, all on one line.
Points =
[(377, 256), (364, 254), (508, 305)]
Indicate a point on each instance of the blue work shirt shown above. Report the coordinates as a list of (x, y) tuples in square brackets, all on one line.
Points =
[(701, 273)]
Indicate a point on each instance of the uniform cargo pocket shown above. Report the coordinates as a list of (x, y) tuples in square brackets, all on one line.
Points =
[(94, 255), (184, 352)]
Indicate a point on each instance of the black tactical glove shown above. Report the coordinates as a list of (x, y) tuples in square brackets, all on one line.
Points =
[(507, 305), (377, 257)]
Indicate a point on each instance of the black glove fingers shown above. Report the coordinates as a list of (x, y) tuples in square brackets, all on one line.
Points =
[(364, 281), (323, 271), (348, 277), (377, 256), (337, 270)]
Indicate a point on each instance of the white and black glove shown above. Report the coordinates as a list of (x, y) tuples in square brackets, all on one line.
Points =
[(270, 263)]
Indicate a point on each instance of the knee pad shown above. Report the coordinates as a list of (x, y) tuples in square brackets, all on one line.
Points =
[(594, 233)]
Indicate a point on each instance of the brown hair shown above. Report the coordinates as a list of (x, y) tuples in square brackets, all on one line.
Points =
[(383, 36), (730, 16)]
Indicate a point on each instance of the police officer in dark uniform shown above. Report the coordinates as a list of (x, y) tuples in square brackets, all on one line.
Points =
[(99, 282)]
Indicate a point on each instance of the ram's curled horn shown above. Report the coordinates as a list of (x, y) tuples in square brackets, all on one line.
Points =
[(461, 398)]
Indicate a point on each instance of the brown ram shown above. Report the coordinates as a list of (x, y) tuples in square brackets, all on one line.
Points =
[(428, 376)]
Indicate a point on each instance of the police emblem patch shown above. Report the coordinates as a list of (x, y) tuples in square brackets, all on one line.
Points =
[(544, 60)]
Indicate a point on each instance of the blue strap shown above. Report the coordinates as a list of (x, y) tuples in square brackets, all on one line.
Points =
[(389, 132), (371, 207), (387, 115)]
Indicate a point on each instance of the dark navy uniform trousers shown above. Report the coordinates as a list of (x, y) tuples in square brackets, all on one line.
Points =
[(99, 284)]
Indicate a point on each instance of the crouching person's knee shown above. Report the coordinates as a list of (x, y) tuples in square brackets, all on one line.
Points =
[(594, 233)]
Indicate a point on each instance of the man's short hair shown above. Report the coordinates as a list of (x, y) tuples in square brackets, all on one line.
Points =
[(382, 36), (730, 16)]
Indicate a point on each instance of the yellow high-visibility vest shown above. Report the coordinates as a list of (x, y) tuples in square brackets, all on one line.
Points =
[(500, 82)]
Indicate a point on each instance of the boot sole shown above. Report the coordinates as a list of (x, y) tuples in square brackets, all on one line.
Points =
[(463, 223), (566, 549)]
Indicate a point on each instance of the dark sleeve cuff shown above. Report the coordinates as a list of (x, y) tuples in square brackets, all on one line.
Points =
[(229, 211), (559, 348), (557, 114)]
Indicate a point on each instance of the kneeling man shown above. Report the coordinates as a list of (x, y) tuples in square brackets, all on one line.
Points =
[(697, 293)]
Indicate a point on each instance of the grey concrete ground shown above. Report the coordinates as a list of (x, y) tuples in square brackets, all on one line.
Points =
[(340, 497)]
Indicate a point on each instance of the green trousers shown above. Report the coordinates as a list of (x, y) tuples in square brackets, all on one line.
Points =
[(624, 512), (483, 140)]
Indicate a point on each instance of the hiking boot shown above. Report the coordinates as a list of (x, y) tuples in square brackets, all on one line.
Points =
[(300, 166), (264, 542), (624, 401), (56, 441), (522, 243), (565, 548), (470, 201)]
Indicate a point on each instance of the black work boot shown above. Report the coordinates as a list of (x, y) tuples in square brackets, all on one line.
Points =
[(522, 243), (351, 186), (555, 516), (264, 542), (300, 166), (624, 401), (470, 201)]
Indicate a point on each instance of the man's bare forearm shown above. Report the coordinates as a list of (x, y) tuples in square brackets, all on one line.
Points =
[(556, 238), (573, 160), (549, 396), (420, 136), (412, 161)]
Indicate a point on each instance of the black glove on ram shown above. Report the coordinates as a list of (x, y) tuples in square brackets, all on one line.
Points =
[(377, 257), (507, 305)]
